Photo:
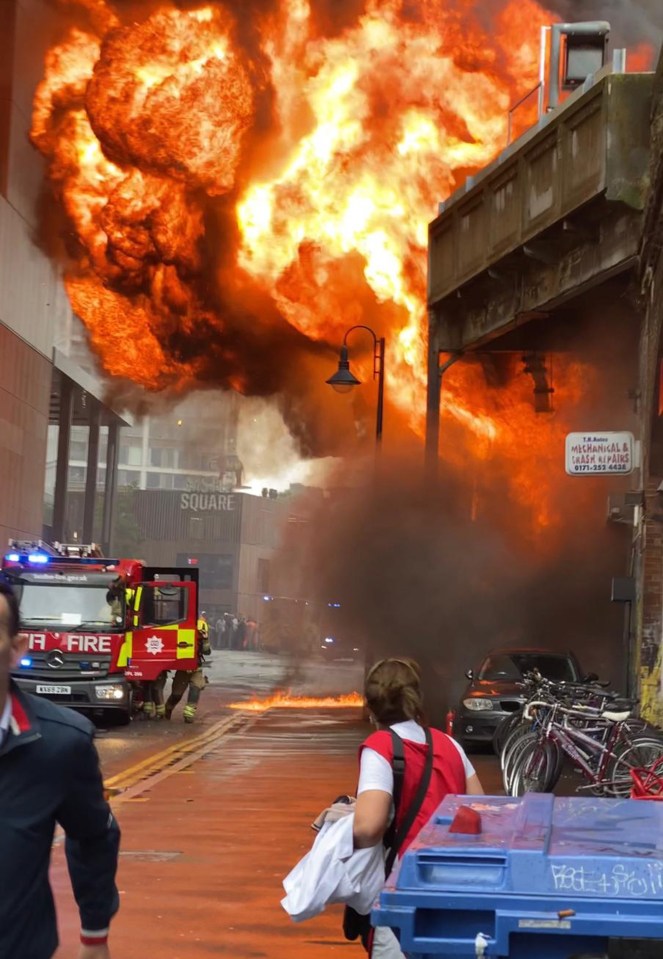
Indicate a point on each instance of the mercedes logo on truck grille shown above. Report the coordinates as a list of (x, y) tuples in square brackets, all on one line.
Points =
[(55, 659)]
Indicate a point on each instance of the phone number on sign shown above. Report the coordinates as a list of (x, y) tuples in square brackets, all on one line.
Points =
[(601, 468)]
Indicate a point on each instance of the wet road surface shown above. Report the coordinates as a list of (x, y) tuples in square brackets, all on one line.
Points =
[(233, 676), (214, 815)]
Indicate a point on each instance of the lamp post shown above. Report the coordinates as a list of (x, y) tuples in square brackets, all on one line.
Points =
[(344, 380)]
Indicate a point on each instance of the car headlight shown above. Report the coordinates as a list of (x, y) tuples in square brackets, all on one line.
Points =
[(116, 691), (477, 704)]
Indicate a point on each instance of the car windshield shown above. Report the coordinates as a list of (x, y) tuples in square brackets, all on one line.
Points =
[(515, 665), (63, 605)]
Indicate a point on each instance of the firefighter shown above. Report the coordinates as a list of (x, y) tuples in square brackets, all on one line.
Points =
[(154, 706), (114, 598), (203, 632), (191, 680)]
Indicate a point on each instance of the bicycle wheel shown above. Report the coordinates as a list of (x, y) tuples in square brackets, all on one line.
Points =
[(641, 752), (516, 733), (518, 756), (535, 769), (511, 752), (504, 729), (557, 766)]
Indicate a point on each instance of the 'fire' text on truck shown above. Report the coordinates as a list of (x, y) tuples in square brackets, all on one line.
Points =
[(97, 628)]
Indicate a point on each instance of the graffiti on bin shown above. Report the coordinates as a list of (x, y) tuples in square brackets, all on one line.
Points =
[(647, 880)]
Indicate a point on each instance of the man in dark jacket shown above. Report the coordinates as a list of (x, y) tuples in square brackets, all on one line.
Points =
[(49, 773)]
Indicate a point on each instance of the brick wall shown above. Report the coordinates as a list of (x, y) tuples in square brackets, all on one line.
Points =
[(649, 536)]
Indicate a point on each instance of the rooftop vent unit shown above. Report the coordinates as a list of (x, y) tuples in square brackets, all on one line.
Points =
[(577, 50)]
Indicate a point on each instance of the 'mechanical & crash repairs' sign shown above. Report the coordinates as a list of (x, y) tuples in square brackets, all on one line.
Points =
[(599, 454)]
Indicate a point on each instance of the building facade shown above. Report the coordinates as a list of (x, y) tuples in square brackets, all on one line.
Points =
[(41, 381), (552, 255), (648, 539), (235, 540)]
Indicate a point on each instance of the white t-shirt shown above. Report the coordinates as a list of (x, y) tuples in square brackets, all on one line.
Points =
[(5, 720), (375, 771), (6, 716)]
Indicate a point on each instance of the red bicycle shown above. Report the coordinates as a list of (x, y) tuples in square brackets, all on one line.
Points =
[(648, 782)]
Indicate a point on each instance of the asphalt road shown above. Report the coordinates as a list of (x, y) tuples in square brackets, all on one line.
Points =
[(208, 839), (215, 814), (233, 676)]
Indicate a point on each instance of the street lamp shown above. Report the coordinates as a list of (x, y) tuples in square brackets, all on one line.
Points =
[(344, 380)]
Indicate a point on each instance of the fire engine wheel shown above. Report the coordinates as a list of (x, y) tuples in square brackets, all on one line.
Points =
[(122, 718)]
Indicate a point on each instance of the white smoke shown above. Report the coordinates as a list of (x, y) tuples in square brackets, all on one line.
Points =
[(269, 453)]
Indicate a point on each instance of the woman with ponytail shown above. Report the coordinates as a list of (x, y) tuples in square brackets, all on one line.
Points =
[(394, 700)]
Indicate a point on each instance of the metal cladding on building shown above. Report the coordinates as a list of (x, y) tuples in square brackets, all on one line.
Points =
[(649, 531), (231, 537), (569, 218)]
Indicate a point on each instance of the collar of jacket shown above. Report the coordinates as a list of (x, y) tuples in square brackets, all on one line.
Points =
[(23, 724)]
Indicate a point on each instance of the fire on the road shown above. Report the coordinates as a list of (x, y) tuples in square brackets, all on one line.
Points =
[(285, 700)]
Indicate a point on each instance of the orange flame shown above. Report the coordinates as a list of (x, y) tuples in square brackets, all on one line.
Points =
[(147, 123), (285, 700), (507, 438), (641, 58), (206, 162)]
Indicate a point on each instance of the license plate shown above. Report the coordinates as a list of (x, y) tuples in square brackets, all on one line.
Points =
[(48, 689)]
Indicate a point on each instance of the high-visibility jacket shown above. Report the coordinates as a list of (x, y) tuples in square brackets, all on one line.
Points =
[(203, 632)]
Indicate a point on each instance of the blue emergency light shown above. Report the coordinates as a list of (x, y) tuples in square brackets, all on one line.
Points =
[(38, 558), (26, 662), (13, 558)]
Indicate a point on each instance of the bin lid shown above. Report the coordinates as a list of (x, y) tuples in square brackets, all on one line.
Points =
[(540, 845)]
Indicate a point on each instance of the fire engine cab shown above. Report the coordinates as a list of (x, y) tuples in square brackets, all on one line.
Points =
[(98, 628)]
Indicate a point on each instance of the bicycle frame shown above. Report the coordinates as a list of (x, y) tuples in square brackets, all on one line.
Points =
[(569, 740)]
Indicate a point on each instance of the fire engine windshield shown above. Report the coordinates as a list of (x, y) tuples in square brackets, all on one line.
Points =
[(78, 607)]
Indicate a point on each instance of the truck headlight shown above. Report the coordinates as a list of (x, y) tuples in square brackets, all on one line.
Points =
[(116, 691), (476, 704)]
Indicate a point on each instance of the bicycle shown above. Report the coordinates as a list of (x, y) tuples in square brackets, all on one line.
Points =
[(599, 743)]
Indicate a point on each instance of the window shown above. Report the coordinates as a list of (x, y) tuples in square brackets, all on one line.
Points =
[(131, 455), (216, 572), (76, 476), (60, 604), (127, 478), (163, 605), (78, 450), (514, 666), (153, 480)]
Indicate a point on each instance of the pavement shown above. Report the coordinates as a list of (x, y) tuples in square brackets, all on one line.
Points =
[(214, 815)]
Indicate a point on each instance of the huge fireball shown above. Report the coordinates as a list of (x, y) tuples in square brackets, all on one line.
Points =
[(288, 154)]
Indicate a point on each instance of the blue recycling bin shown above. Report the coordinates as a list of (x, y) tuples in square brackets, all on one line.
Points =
[(546, 878)]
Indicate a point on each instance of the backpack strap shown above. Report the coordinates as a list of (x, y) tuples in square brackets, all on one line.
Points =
[(398, 767), (412, 813)]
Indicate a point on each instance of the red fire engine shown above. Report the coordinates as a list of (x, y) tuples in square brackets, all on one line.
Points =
[(98, 628)]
